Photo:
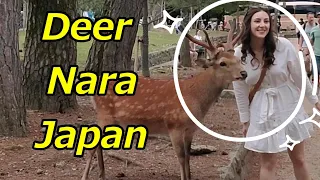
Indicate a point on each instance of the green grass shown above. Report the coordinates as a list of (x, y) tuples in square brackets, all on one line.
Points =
[(22, 36), (158, 39), (82, 53)]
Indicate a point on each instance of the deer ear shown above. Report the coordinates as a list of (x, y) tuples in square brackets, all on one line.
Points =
[(204, 63), (213, 54), (201, 61), (217, 55)]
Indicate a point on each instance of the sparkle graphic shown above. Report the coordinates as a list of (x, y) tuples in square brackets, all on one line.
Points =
[(310, 119), (289, 143), (162, 23)]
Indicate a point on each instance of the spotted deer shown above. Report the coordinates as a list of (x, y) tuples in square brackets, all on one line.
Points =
[(156, 105)]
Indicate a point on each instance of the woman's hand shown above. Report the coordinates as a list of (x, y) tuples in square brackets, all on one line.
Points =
[(245, 127)]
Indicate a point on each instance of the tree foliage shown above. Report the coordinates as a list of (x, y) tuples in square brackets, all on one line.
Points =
[(116, 55), (95, 5)]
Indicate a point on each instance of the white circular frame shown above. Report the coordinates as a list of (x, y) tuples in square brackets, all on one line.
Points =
[(302, 94)]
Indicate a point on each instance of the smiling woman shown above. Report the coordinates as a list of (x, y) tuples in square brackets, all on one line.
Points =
[(256, 28), (273, 64)]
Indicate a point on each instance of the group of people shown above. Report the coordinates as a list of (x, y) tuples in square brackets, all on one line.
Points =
[(261, 50)]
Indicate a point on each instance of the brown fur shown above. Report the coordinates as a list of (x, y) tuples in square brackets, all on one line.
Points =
[(156, 105)]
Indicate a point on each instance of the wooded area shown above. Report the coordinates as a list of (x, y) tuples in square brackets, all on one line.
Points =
[(39, 56)]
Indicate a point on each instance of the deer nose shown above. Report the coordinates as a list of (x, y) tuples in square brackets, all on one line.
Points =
[(244, 74)]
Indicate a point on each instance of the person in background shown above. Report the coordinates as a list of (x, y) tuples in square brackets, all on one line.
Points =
[(193, 53), (214, 25), (308, 25), (302, 43), (176, 27), (279, 24), (197, 36), (301, 22), (91, 15), (194, 47), (315, 41)]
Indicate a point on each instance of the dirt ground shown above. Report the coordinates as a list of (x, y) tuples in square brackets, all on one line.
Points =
[(18, 161), (158, 161)]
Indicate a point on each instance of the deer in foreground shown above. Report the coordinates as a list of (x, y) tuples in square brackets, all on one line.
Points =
[(156, 105)]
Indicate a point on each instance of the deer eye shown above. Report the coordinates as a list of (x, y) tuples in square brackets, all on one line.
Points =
[(223, 64)]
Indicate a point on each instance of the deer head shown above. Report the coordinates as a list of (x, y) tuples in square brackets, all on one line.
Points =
[(221, 56)]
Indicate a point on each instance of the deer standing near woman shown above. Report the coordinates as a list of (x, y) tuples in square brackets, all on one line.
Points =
[(156, 105)]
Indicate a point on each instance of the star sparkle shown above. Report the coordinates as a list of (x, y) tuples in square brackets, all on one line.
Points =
[(310, 119), (162, 23), (289, 143)]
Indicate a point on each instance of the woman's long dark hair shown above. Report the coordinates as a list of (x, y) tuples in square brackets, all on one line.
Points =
[(269, 43)]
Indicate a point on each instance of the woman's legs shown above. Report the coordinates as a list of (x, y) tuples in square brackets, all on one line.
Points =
[(298, 161), (268, 166)]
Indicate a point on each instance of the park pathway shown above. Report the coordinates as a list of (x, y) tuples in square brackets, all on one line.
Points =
[(312, 152)]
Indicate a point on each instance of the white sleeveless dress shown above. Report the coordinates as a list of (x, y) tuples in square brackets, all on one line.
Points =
[(275, 101)]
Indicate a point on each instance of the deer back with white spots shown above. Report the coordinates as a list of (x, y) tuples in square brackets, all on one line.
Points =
[(156, 105)]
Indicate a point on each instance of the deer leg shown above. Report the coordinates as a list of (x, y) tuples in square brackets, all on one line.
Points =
[(187, 147), (106, 120), (88, 164), (178, 145), (101, 163)]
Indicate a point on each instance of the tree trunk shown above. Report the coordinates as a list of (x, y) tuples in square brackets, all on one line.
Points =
[(41, 56), (155, 11), (12, 109), (136, 59), (191, 15), (185, 53), (185, 47), (25, 12), (112, 55), (223, 13), (145, 41), (151, 9)]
